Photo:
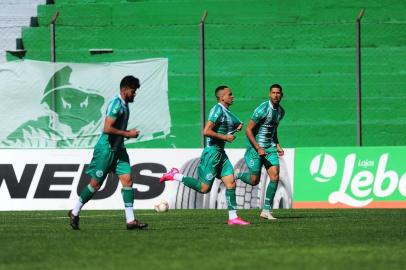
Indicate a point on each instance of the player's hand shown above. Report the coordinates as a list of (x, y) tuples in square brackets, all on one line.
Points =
[(280, 150), (133, 133), (240, 127), (229, 137), (261, 151)]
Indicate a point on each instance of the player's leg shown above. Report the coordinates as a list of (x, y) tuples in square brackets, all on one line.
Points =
[(123, 170), (193, 183), (227, 176), (86, 194), (205, 171), (254, 164), (272, 165), (128, 197), (98, 169)]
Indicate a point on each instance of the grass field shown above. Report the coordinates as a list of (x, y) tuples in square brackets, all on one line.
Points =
[(200, 239)]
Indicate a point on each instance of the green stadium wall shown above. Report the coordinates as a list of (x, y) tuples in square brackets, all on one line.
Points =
[(306, 46)]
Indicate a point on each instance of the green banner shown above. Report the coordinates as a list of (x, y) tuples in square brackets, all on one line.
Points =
[(62, 105), (350, 177)]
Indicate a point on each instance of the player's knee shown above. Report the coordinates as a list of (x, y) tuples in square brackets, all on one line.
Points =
[(127, 183), (205, 188), (231, 185), (274, 178), (254, 180), (126, 180), (95, 185)]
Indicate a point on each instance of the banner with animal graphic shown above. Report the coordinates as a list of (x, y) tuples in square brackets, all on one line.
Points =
[(62, 105)]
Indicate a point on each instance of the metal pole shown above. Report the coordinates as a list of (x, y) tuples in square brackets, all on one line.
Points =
[(202, 79), (53, 60), (53, 56), (358, 71)]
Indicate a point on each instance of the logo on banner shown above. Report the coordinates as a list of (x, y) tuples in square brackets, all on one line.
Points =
[(70, 112), (361, 181), (323, 167)]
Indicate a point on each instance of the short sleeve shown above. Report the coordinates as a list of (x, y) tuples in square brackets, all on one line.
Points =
[(259, 113), (114, 109), (215, 114)]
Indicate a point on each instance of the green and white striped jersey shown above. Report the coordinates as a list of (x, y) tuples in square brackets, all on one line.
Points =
[(117, 109), (225, 123), (267, 120)]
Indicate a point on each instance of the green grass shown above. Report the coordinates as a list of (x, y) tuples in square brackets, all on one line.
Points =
[(200, 239)]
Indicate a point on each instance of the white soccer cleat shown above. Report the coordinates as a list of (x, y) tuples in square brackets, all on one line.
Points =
[(267, 215)]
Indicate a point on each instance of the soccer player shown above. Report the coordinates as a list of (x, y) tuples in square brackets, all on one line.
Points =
[(219, 129), (110, 155), (263, 146)]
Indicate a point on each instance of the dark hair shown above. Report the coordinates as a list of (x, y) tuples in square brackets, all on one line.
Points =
[(275, 86), (130, 82), (219, 88)]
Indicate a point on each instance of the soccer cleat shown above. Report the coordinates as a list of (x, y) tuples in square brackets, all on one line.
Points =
[(237, 221), (74, 220), (136, 225), (267, 215), (169, 175)]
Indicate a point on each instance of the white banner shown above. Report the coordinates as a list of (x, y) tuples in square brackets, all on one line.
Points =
[(62, 105), (52, 179)]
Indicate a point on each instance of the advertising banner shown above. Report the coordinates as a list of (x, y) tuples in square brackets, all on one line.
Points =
[(61, 105), (51, 179), (369, 177)]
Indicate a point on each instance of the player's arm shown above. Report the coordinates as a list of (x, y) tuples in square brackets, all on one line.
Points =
[(249, 131), (209, 132), (110, 129), (240, 127), (278, 146)]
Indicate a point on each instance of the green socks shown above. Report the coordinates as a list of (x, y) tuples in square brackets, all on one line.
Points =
[(86, 194), (231, 199), (192, 183), (270, 194), (128, 196)]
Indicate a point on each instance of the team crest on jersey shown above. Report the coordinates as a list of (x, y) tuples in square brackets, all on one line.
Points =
[(99, 173), (209, 176)]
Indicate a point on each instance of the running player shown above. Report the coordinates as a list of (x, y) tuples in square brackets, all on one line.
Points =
[(214, 162), (110, 155), (263, 146)]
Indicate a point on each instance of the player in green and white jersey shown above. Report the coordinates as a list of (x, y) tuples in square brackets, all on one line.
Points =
[(263, 146), (110, 155), (219, 129)]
